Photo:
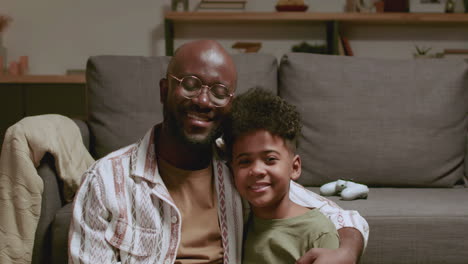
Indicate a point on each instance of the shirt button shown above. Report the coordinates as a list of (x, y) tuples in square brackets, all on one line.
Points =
[(174, 219)]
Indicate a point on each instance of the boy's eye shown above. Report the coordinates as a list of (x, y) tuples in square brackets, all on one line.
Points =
[(243, 161), (271, 159)]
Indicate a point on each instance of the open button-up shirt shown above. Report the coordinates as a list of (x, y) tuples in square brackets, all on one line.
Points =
[(123, 212)]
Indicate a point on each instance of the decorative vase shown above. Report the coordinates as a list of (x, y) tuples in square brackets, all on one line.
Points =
[(449, 6), (3, 55)]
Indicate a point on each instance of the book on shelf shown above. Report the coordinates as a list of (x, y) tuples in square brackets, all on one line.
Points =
[(341, 50), (348, 51), (456, 53), (221, 5), (247, 47)]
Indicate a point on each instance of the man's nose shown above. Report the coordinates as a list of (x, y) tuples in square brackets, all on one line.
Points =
[(203, 99)]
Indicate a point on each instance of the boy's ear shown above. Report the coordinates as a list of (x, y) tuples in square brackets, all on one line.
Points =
[(296, 168)]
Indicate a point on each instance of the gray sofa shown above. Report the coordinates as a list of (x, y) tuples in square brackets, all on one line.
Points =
[(399, 126)]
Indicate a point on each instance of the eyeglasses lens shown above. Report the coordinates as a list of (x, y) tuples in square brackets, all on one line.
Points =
[(219, 94)]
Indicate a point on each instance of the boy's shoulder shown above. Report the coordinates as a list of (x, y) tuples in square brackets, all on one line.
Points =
[(318, 230), (315, 219), (312, 221)]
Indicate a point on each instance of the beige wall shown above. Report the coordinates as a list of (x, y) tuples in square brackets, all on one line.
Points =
[(61, 34)]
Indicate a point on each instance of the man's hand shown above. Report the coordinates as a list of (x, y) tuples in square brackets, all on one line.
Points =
[(327, 256), (351, 246)]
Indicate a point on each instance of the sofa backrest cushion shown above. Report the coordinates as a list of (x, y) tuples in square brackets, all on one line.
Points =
[(380, 122), (123, 94)]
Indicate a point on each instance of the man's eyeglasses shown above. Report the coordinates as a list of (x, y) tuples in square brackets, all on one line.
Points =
[(192, 87)]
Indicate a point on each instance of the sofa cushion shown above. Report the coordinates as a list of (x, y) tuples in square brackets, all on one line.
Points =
[(254, 69), (426, 225), (124, 100), (123, 94), (379, 122), (465, 179)]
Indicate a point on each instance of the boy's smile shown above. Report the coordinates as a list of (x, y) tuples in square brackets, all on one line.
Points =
[(259, 186), (263, 166)]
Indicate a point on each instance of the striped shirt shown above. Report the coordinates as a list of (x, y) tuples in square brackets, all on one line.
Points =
[(124, 213)]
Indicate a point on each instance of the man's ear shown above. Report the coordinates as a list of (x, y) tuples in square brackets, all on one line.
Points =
[(296, 168), (163, 90)]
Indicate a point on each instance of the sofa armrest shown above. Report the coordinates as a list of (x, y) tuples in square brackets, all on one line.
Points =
[(59, 234), (465, 179), (84, 129), (52, 201)]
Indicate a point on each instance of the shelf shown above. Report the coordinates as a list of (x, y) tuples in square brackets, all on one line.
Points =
[(29, 95), (397, 18), (332, 21), (65, 79)]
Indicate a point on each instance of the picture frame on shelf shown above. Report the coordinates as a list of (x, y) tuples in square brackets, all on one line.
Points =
[(427, 6), (179, 5)]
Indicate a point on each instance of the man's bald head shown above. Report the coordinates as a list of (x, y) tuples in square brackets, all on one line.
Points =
[(203, 54)]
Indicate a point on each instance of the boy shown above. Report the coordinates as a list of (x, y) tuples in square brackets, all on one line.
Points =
[(261, 139)]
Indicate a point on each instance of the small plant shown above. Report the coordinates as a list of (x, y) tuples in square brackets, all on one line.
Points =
[(306, 47), (422, 51)]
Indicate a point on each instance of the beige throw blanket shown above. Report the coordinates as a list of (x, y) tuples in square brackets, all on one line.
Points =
[(21, 187)]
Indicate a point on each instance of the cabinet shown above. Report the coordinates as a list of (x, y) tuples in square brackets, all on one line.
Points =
[(29, 95), (332, 21)]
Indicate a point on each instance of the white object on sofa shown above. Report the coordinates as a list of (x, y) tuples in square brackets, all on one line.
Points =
[(348, 190)]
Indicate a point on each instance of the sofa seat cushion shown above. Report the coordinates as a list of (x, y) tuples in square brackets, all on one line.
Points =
[(381, 122), (427, 225), (412, 225)]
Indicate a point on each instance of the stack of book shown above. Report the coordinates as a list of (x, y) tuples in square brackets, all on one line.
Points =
[(222, 5)]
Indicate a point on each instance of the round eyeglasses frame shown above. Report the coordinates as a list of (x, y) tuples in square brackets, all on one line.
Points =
[(214, 98)]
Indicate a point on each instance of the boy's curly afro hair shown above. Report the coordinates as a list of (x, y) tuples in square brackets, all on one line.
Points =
[(259, 109)]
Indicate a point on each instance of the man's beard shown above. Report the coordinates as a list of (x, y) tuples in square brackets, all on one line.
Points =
[(176, 127)]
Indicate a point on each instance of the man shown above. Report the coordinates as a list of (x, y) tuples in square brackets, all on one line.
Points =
[(169, 198)]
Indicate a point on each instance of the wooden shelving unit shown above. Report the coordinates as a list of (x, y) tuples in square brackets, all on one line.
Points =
[(27, 95), (70, 79), (305, 16), (332, 20)]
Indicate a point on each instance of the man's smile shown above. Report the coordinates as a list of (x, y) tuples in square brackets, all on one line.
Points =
[(199, 119)]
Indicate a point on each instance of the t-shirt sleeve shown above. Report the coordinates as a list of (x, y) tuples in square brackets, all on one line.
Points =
[(327, 240), (339, 217)]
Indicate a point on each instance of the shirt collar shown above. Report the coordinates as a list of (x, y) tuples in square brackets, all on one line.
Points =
[(144, 162), (143, 159)]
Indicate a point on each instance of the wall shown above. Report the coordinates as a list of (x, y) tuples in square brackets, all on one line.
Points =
[(61, 34)]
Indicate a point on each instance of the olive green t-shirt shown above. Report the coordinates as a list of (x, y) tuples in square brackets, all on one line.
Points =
[(284, 241)]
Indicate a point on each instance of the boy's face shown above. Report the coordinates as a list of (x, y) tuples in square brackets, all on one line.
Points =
[(263, 166)]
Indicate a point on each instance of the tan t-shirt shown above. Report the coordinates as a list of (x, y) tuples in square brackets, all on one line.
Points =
[(194, 194)]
